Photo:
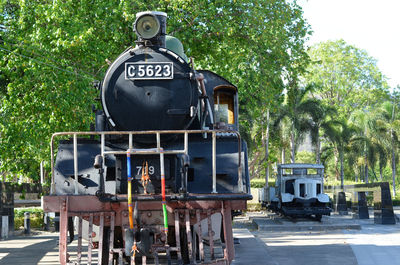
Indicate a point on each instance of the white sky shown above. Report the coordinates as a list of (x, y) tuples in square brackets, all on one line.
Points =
[(372, 25)]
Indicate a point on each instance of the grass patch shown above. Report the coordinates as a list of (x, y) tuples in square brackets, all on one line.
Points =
[(260, 183), (254, 207)]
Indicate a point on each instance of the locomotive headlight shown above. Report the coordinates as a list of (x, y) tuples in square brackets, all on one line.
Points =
[(147, 26)]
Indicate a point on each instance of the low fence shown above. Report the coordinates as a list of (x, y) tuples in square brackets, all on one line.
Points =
[(382, 200), (8, 192)]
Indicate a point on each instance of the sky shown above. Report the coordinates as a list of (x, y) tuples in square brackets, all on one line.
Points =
[(371, 25)]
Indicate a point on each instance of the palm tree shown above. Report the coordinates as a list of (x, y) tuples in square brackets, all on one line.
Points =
[(362, 120), (381, 147), (297, 112), (323, 117), (341, 136), (388, 126)]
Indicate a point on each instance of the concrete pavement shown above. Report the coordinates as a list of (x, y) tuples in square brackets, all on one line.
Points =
[(370, 245), (376, 244), (28, 250), (251, 249)]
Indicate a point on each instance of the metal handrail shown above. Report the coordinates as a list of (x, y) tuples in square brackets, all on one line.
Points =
[(146, 151)]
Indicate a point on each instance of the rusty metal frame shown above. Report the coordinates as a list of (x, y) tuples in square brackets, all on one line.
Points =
[(86, 204), (111, 214)]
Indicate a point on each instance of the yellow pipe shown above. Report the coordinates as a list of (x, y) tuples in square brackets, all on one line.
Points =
[(128, 169)]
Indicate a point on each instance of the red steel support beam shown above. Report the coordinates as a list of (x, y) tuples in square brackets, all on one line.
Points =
[(227, 217), (63, 232)]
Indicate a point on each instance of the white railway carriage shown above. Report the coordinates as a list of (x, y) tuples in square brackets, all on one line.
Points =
[(298, 191)]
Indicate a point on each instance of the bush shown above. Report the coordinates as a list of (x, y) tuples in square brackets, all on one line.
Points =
[(36, 217), (260, 183), (257, 183), (254, 207)]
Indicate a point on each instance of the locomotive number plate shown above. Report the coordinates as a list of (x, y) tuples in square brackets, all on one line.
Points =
[(149, 71), (153, 166)]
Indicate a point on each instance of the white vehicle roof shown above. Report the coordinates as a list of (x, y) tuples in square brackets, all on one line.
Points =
[(298, 165)]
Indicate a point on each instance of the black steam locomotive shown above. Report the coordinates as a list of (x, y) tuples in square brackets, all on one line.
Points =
[(164, 170)]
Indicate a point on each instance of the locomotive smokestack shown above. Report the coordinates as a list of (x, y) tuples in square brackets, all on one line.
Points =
[(151, 27)]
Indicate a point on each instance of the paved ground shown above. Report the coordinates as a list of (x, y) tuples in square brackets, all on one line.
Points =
[(370, 244), (21, 250), (336, 240)]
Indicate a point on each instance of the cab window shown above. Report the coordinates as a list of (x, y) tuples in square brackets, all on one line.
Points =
[(224, 107)]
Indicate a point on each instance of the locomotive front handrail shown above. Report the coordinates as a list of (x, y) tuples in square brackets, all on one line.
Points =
[(146, 151)]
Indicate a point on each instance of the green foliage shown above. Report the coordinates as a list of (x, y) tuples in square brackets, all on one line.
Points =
[(36, 216), (305, 157), (19, 212), (296, 115), (36, 222), (52, 50), (260, 183), (347, 77), (254, 207), (348, 81)]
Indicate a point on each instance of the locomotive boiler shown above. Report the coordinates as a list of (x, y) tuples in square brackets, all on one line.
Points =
[(159, 178)]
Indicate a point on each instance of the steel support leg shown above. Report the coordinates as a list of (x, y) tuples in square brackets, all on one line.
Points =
[(63, 232), (90, 244), (111, 255), (101, 236), (189, 236), (227, 220), (80, 240), (201, 246), (210, 234), (177, 236)]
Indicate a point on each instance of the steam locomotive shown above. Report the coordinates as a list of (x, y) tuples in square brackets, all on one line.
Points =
[(163, 172)]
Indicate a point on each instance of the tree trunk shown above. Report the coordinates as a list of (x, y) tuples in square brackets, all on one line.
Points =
[(283, 155), (393, 164), (292, 145), (361, 173), (381, 172), (356, 177), (336, 153), (341, 169), (267, 151), (318, 151), (366, 161)]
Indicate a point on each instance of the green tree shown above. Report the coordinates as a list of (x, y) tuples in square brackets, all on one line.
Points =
[(298, 111), (347, 77), (341, 136), (323, 118), (371, 148), (388, 128)]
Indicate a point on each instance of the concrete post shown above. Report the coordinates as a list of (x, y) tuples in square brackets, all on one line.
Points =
[(341, 205), (362, 206), (57, 222), (46, 222), (383, 205), (4, 227), (27, 223)]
